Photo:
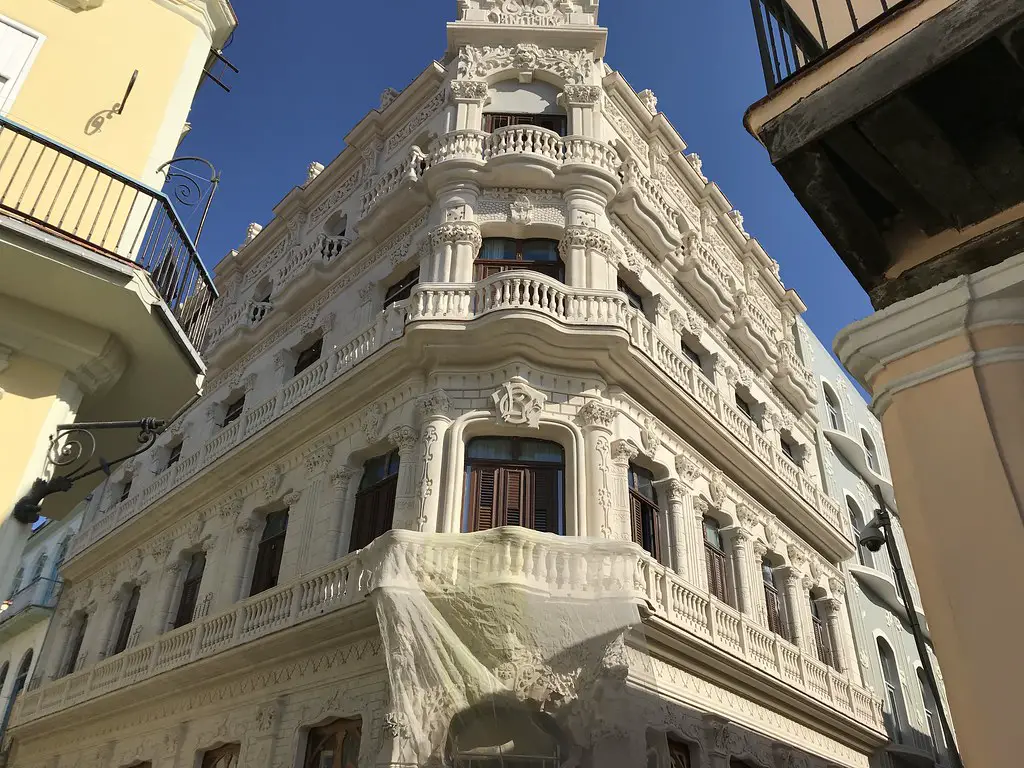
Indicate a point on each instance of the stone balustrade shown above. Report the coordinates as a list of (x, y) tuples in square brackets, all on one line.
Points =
[(442, 564), (514, 291)]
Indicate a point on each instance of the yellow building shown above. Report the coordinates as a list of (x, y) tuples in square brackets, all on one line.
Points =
[(103, 299)]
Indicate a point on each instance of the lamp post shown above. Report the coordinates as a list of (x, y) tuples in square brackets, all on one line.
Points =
[(874, 534)]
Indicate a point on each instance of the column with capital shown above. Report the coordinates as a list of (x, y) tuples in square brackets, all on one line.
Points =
[(107, 619), (434, 409), (793, 579), (698, 557), (406, 439), (738, 557), (455, 245), (757, 585), (838, 627), (623, 452), (715, 744), (334, 542), (586, 252), (301, 507), (595, 418), (680, 510), (169, 588)]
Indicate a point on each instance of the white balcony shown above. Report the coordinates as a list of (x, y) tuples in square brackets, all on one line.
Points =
[(551, 566)]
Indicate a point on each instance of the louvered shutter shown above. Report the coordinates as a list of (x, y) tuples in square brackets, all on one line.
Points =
[(716, 572), (771, 599), (636, 519), (821, 640), (513, 509), (545, 500), (483, 488)]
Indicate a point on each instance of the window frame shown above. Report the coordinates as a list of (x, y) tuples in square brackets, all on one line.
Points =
[(633, 297), (774, 597), (126, 489), (374, 511), (233, 410), (821, 634), (272, 548), (74, 646), (188, 594), (401, 289), (714, 555), (127, 619), (554, 473), (893, 688), (304, 359), (225, 756), (481, 266), (788, 448), (833, 409), (644, 513), (174, 454), (349, 727), (870, 451), (514, 119)]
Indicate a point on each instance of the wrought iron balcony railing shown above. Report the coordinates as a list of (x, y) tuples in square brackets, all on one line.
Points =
[(61, 190), (793, 33)]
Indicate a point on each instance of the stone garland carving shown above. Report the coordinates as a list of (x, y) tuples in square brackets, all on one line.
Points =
[(585, 237), (516, 402), (574, 67), (469, 90)]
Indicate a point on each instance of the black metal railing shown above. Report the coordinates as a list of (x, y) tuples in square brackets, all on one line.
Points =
[(793, 33), (82, 200)]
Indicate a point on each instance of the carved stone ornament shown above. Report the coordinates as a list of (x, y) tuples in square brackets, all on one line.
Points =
[(796, 555), (251, 231), (318, 458), (270, 483), (585, 237), (455, 232), (367, 292), (838, 586), (313, 170), (436, 403), (649, 100), (521, 210), (718, 487), (387, 98), (688, 468), (404, 439), (195, 530), (230, 507), (469, 90), (395, 725), (737, 219), (519, 403), (747, 515), (595, 414), (581, 95), (341, 477), (573, 67), (650, 437), (291, 498), (456, 212), (624, 451), (371, 422)]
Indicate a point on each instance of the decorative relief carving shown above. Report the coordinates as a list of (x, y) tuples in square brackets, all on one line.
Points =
[(571, 66), (624, 451), (688, 468), (697, 164), (371, 422), (387, 98), (291, 498), (404, 439), (595, 414), (521, 210), (469, 90), (649, 100), (519, 403), (581, 95), (455, 232), (436, 403), (270, 483), (413, 124), (650, 437), (319, 458)]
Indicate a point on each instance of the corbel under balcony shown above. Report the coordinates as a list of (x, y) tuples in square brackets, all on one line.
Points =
[(706, 278), (794, 380), (751, 332), (651, 216)]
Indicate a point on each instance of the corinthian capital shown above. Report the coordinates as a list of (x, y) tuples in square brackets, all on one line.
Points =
[(585, 237), (455, 232), (581, 95), (469, 90), (595, 414)]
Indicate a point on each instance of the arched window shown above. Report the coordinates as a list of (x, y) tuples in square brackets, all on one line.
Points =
[(16, 582), (822, 637), (336, 224), (835, 413), (78, 630), (501, 735), (931, 715), (869, 449), (190, 590), (714, 558), (500, 254), (222, 757), (513, 103), (37, 572), (893, 710), (62, 553), (644, 515), (21, 679), (774, 605), (335, 745), (124, 629), (857, 525), (375, 502), (514, 481), (269, 552)]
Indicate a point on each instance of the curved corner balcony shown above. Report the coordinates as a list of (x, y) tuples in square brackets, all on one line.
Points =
[(853, 451), (337, 599)]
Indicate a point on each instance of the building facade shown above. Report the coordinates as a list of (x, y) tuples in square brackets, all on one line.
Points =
[(31, 596), (854, 463), (896, 124), (507, 455), (104, 300)]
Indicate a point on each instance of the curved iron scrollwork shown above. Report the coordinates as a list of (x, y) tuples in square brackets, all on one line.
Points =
[(186, 187), (75, 446)]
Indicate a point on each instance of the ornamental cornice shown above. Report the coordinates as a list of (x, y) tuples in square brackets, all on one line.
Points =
[(455, 232), (570, 66)]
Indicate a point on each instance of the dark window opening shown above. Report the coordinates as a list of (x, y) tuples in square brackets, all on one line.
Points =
[(644, 514), (375, 501), (678, 754), (234, 410), (174, 454), (635, 299), (75, 646), (309, 356), (190, 590), (692, 355), (126, 489), (514, 481), (773, 602), (714, 558), (499, 254), (222, 757), (268, 554), (335, 745), (495, 120), (124, 630), (788, 448), (744, 406), (402, 290), (822, 638)]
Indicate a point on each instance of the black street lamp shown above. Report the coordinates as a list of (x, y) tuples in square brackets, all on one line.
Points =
[(873, 536), (74, 445)]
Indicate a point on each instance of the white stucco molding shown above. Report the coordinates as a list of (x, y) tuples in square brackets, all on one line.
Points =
[(957, 307)]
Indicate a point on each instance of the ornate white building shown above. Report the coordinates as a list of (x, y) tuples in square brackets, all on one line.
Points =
[(507, 457)]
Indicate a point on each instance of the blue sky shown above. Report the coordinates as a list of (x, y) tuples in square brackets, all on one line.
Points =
[(311, 69)]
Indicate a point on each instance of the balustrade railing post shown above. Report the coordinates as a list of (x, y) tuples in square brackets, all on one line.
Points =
[(777, 653), (196, 641)]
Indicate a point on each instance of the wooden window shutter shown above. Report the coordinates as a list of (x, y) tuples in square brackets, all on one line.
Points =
[(514, 497), (715, 561), (775, 622), (545, 500), (636, 519), (483, 488)]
